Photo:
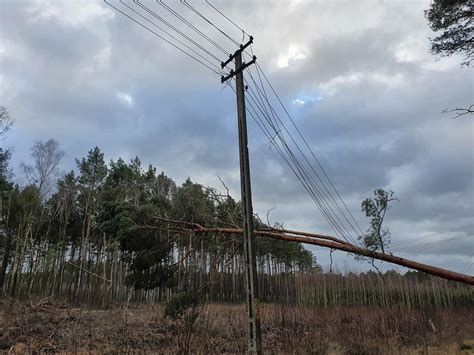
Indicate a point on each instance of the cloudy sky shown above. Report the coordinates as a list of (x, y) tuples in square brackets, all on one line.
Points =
[(357, 78)]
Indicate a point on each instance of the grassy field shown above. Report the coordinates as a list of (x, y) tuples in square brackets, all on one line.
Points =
[(49, 326)]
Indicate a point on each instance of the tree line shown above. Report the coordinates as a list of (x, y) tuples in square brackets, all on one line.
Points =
[(105, 232), (92, 232)]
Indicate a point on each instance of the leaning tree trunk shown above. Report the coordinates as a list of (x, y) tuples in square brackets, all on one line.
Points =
[(334, 243)]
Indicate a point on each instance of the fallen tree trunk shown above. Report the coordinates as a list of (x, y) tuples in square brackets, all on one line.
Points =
[(334, 243), (445, 274)]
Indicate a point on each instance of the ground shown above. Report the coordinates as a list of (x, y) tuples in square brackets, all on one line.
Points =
[(50, 326)]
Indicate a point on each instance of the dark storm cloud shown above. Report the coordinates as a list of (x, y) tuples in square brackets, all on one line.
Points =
[(357, 77)]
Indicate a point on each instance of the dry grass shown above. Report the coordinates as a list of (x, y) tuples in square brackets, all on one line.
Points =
[(51, 327)]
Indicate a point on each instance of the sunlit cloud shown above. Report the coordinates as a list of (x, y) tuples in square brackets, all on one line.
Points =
[(125, 98), (303, 100), (294, 53)]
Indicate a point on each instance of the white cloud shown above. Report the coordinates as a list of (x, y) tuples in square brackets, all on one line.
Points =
[(125, 98), (388, 80), (294, 53), (305, 99), (412, 50), (445, 65), (69, 13), (332, 86), (3, 86), (298, 102), (100, 61)]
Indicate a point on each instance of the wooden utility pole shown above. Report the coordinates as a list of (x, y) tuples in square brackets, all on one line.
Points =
[(255, 341), (251, 284)]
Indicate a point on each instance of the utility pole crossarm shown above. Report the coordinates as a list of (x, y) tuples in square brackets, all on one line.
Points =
[(237, 71), (240, 50)]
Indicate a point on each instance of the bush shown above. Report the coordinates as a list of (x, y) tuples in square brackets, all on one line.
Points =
[(180, 303)]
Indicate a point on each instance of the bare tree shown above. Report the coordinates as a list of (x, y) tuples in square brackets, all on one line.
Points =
[(5, 121), (47, 158), (459, 111)]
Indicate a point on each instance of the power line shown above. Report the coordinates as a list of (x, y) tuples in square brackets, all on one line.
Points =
[(295, 169), (428, 236), (299, 132), (263, 89), (232, 22), (190, 25), (433, 245), (421, 246), (319, 194), (163, 38), (469, 264), (308, 147), (327, 194), (154, 14), (155, 25), (278, 134), (256, 117), (310, 185), (193, 9)]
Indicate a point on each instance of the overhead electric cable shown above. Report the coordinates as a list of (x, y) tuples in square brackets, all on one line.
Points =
[(193, 9), (154, 14), (271, 139), (307, 146), (292, 168), (309, 183), (299, 132), (232, 22), (319, 193), (316, 195), (190, 25), (327, 194), (163, 38), (469, 264), (433, 245), (331, 198), (428, 236)]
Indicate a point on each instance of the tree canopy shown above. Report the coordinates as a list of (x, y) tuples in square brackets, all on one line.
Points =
[(454, 21), (99, 222)]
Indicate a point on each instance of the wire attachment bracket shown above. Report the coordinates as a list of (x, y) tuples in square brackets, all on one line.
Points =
[(235, 72), (240, 50)]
